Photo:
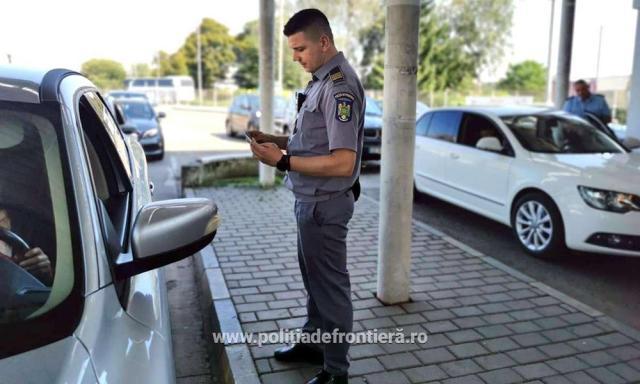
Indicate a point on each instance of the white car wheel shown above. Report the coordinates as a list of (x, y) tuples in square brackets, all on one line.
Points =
[(537, 224)]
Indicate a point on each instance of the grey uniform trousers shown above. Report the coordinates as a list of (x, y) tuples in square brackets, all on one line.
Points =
[(322, 255)]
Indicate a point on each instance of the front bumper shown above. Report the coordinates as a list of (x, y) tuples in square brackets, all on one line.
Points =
[(153, 146), (588, 229)]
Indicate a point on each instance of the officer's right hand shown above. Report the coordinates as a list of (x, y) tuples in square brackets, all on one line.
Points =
[(260, 137)]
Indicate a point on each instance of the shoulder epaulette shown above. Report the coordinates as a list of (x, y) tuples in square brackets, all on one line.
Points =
[(336, 75)]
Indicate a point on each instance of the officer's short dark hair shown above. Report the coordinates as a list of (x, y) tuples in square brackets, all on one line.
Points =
[(310, 21), (581, 82)]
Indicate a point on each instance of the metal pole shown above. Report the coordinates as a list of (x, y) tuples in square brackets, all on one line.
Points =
[(199, 59), (281, 48), (549, 54), (564, 51), (633, 117), (267, 10), (598, 59), (9, 58), (396, 176)]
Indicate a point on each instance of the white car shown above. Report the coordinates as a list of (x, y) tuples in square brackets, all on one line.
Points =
[(551, 176), (81, 297)]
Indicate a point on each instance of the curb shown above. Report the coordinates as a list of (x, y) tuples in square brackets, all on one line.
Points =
[(233, 359), (580, 306)]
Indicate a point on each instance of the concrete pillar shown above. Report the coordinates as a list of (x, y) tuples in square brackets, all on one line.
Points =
[(633, 112), (564, 51), (398, 140), (267, 11), (549, 49)]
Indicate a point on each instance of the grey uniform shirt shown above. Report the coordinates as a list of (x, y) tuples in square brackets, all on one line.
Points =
[(331, 117)]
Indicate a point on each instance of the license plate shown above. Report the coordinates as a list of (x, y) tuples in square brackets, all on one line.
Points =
[(374, 150)]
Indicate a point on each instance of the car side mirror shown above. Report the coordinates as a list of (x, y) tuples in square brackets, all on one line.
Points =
[(631, 143), (129, 128), (167, 231), (161, 115), (490, 144)]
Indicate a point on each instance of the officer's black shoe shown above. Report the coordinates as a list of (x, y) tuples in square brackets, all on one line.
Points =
[(299, 352), (324, 377)]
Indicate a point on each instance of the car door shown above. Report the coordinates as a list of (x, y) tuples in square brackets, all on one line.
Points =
[(436, 133), (126, 329), (478, 177)]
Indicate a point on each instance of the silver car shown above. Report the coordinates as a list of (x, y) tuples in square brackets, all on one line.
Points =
[(81, 298)]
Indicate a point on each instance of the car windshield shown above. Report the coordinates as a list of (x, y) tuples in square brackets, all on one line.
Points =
[(548, 133), (36, 258), (137, 111), (373, 108)]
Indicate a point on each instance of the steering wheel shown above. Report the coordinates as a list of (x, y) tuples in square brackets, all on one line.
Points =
[(16, 242), (19, 289)]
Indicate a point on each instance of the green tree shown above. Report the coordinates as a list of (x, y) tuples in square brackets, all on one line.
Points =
[(481, 26), (174, 64), (248, 61), (247, 56), (216, 49), (527, 76), (375, 77), (106, 74)]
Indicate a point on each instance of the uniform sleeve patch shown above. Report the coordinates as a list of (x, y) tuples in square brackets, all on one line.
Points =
[(344, 106)]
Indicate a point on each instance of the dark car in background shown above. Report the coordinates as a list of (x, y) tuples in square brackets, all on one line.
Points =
[(139, 113), (372, 130), (244, 115)]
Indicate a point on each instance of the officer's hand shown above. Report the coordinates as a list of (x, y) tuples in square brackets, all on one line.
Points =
[(38, 264), (267, 153), (260, 137)]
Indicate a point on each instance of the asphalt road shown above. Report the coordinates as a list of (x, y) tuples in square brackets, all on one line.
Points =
[(610, 284)]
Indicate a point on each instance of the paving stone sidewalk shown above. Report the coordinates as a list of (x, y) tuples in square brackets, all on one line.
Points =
[(486, 323)]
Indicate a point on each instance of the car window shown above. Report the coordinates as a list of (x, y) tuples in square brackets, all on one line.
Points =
[(35, 225), (373, 108), (112, 129), (475, 127), (136, 110), (422, 126), (549, 133), (444, 125), (112, 185), (138, 83)]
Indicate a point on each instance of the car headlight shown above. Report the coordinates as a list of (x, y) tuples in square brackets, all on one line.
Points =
[(609, 200), (258, 114), (150, 133)]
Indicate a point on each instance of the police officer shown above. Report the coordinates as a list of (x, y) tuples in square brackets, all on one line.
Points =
[(322, 162), (586, 102)]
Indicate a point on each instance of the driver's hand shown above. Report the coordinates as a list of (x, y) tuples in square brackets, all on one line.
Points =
[(260, 137), (5, 221), (38, 264)]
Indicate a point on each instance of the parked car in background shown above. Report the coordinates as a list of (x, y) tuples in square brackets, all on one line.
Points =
[(553, 177), (372, 130), (140, 114), (244, 115), (77, 188), (121, 94)]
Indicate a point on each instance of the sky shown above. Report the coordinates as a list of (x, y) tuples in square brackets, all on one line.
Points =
[(65, 33)]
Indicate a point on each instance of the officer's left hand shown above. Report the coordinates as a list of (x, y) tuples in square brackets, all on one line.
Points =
[(267, 153)]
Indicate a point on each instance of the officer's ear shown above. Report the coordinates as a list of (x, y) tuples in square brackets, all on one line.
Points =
[(325, 42)]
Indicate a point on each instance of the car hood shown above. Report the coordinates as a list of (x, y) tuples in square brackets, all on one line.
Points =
[(372, 121), (602, 170), (143, 124)]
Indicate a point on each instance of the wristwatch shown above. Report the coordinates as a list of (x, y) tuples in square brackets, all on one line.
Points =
[(283, 164)]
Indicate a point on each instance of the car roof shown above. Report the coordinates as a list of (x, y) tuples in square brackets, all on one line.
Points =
[(30, 85), (513, 110)]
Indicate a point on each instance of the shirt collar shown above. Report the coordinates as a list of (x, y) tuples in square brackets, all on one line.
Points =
[(323, 71)]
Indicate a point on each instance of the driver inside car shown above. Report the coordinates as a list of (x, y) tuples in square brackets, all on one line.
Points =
[(34, 261)]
